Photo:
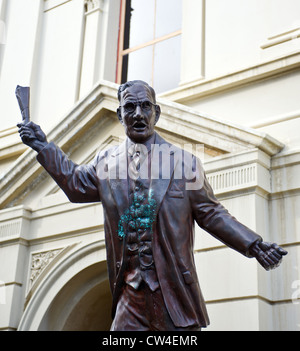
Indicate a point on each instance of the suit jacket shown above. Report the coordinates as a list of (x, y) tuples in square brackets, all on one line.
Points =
[(179, 204)]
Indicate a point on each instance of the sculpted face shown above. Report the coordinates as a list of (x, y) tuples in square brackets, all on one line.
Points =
[(138, 112)]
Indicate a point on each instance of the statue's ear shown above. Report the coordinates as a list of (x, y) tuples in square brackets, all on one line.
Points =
[(157, 113), (119, 115)]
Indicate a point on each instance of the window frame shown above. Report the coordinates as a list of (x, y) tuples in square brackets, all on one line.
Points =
[(123, 52)]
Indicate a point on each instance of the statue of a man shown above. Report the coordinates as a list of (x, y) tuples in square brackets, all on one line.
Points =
[(150, 208)]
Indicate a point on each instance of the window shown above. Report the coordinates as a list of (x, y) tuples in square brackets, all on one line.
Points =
[(150, 42)]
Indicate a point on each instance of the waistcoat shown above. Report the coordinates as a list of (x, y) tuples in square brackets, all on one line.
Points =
[(140, 265)]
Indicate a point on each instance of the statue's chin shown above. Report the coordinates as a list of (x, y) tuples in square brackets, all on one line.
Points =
[(139, 135)]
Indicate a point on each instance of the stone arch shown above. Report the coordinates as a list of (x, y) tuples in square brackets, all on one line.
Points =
[(74, 295)]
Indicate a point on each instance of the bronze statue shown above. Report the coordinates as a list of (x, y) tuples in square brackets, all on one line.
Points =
[(150, 208)]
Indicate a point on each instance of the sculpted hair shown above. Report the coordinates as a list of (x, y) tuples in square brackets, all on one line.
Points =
[(130, 83)]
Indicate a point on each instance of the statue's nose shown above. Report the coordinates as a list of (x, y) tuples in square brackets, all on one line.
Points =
[(138, 112)]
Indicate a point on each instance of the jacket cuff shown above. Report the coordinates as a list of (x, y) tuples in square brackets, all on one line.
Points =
[(251, 252), (40, 156)]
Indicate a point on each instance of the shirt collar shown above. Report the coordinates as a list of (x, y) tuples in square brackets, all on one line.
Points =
[(148, 143)]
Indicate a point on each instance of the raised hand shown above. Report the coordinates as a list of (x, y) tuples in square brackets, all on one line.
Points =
[(32, 135), (269, 255)]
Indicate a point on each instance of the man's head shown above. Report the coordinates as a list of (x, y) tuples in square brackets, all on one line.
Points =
[(138, 111)]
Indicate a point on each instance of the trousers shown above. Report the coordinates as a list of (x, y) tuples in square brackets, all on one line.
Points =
[(143, 310)]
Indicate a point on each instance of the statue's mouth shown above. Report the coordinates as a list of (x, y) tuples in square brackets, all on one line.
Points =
[(139, 126)]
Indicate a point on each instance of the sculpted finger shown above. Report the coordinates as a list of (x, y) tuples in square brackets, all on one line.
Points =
[(34, 126), (279, 249), (274, 262), (264, 246), (23, 129), (26, 136), (269, 260), (264, 263), (21, 126), (275, 265), (266, 266), (275, 254), (24, 133), (282, 252)]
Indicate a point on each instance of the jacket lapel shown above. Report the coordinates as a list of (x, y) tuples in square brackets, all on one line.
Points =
[(163, 164), (117, 174)]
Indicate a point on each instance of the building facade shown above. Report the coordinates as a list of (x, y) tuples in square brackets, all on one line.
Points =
[(227, 74)]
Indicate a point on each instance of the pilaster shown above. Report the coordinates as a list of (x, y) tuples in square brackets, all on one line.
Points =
[(14, 231)]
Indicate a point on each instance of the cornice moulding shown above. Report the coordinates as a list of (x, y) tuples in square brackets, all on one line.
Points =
[(256, 73), (237, 137)]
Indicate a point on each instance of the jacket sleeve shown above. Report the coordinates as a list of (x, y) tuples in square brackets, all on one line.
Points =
[(79, 182), (211, 215)]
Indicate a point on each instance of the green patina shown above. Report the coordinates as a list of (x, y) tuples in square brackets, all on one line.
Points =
[(140, 215)]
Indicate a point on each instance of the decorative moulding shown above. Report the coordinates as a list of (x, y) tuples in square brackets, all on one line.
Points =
[(210, 86), (240, 173), (281, 38), (14, 224), (93, 5), (40, 264)]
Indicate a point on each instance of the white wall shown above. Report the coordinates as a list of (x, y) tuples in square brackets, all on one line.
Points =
[(264, 101), (17, 55), (250, 60), (59, 48), (55, 80), (235, 31)]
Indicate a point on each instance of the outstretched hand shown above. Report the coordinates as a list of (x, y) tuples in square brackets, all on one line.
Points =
[(269, 255), (32, 135)]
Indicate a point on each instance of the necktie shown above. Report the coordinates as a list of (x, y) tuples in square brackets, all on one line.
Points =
[(137, 158), (137, 167)]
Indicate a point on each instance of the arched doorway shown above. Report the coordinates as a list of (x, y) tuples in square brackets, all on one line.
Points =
[(74, 295), (83, 304)]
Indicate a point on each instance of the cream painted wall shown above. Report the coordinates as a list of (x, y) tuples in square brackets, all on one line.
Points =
[(55, 79), (268, 103), (59, 50), (235, 31), (17, 54)]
